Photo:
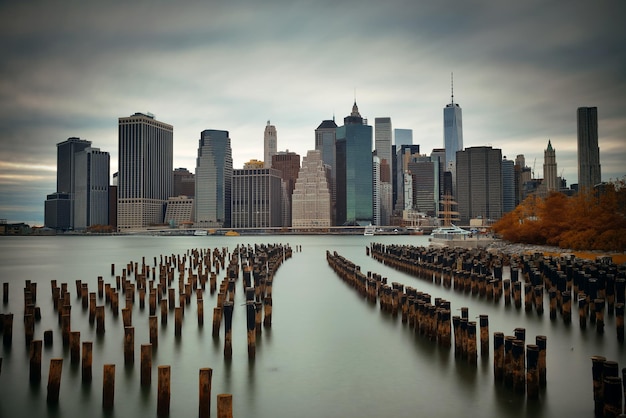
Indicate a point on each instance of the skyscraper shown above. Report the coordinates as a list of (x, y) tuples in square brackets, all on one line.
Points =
[(270, 144), (325, 138), (382, 146), (91, 195), (402, 137), (311, 196), (588, 150), (184, 183), (424, 171), (508, 185), (256, 198), (214, 172), (354, 171), (145, 179), (452, 136), (479, 181), (550, 176), (288, 163)]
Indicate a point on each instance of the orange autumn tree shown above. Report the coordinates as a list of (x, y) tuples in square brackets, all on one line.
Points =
[(591, 220)]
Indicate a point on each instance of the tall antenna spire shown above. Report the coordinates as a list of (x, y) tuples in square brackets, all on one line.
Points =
[(452, 86)]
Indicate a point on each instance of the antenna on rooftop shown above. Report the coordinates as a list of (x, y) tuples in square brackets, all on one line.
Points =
[(452, 86)]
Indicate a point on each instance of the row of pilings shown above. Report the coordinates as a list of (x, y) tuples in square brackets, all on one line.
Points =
[(196, 270), (609, 389), (596, 288), (516, 365)]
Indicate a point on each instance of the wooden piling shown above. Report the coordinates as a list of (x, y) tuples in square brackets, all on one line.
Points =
[(541, 341), (65, 327), (54, 380), (204, 408), (47, 338), (200, 302), (472, 355), (146, 364), (163, 311), (224, 405), (35, 361), (597, 368), (75, 347), (127, 317), (163, 391), (7, 332), (612, 396), (599, 313), (92, 307), (154, 330), (87, 361), (178, 321), (228, 323), (267, 320), (99, 320), (519, 376), (484, 335), (250, 311), (532, 371), (217, 319), (567, 307), (619, 321), (498, 356), (108, 386), (5, 292), (129, 345), (508, 360)]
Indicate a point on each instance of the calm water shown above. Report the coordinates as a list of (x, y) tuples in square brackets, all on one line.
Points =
[(328, 354)]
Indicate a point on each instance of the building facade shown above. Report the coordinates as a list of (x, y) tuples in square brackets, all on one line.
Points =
[(325, 138), (402, 137), (256, 198), (213, 185), (184, 183), (145, 179), (383, 147), (452, 137), (508, 185), (179, 211), (91, 196), (550, 175), (479, 180), (354, 171), (288, 163), (311, 200), (588, 150), (425, 183), (270, 144)]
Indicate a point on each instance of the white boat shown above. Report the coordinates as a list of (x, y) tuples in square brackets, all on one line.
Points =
[(369, 230), (453, 236), (201, 233)]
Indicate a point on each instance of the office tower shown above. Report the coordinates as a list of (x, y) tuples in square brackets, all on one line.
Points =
[(311, 202), (522, 177), (588, 150), (179, 211), (270, 144), (424, 171), (184, 183), (402, 157), (508, 185), (402, 137), (325, 136), (214, 172), (479, 181), (91, 196), (354, 171), (383, 145), (145, 179), (376, 190), (452, 135), (256, 198), (550, 177), (288, 163)]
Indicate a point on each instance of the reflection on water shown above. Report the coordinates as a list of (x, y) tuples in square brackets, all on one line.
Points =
[(329, 352)]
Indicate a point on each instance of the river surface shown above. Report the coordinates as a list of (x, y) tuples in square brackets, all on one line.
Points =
[(329, 353)]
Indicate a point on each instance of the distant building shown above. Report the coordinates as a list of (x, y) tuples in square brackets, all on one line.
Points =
[(288, 163), (311, 201), (452, 136), (403, 155), (91, 197), (550, 176), (479, 181), (270, 144), (383, 146), (403, 137), (57, 211), (325, 138), (213, 185), (256, 198), (508, 185), (179, 211), (184, 182), (252, 164), (588, 151), (523, 175), (424, 171), (354, 171), (145, 179)]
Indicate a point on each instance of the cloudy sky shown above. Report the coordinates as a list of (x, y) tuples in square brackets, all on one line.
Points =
[(72, 68)]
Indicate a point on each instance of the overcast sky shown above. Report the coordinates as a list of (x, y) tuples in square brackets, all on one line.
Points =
[(521, 69)]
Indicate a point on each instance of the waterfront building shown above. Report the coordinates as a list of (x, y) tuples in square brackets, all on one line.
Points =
[(479, 180), (550, 176), (145, 179), (325, 138), (179, 211), (452, 136), (311, 200), (256, 198), (508, 185), (288, 164), (424, 171), (213, 185), (184, 183), (588, 151), (270, 144), (91, 194), (403, 155), (57, 211), (354, 171)]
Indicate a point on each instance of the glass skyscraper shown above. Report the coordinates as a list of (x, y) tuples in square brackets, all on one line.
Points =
[(145, 179), (588, 150), (354, 171), (214, 173), (452, 136)]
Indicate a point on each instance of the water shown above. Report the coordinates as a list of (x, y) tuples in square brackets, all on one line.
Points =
[(329, 353)]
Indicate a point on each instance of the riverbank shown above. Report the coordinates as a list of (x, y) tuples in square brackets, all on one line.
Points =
[(517, 248)]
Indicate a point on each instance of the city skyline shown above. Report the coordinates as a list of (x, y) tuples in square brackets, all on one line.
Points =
[(520, 70)]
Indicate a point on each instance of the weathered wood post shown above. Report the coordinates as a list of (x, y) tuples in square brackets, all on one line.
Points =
[(5, 292), (200, 302), (597, 368), (228, 323), (146, 364), (267, 320), (519, 376), (204, 408), (129, 345), (47, 338), (92, 307), (224, 405), (612, 396), (35, 361), (532, 371), (127, 317), (599, 313), (99, 320), (163, 391), (541, 341), (619, 321), (108, 386), (54, 380), (217, 319), (472, 355), (178, 321), (7, 332), (75, 347), (498, 356), (567, 307), (87, 356), (484, 335), (508, 360), (154, 330), (250, 319)]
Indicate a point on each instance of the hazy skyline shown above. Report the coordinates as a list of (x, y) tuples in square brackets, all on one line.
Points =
[(520, 72)]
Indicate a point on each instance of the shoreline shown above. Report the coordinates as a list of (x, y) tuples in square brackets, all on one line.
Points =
[(508, 247)]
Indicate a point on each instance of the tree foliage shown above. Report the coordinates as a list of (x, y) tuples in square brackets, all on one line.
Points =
[(590, 220)]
